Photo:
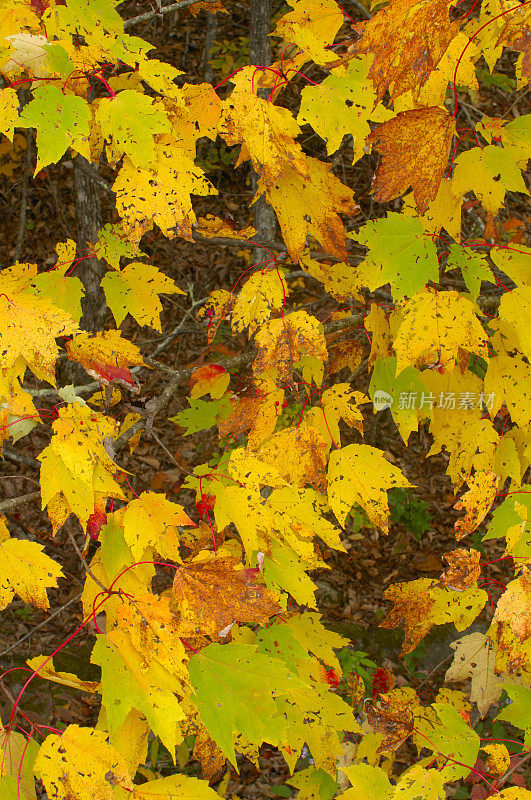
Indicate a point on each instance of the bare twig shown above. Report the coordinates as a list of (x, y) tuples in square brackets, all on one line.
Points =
[(164, 10), (24, 201), (19, 458), (512, 769), (19, 501), (164, 448), (85, 565), (41, 625)]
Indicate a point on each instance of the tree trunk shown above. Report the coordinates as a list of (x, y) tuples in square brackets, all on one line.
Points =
[(264, 219), (91, 270)]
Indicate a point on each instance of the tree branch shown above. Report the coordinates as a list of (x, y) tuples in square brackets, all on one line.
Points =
[(19, 501), (164, 10), (41, 625)]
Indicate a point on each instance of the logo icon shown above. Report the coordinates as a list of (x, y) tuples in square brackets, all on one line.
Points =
[(382, 400)]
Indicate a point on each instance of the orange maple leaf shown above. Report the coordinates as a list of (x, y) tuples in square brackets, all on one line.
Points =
[(408, 39), (414, 146)]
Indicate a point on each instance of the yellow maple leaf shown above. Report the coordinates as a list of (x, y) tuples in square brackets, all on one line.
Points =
[(514, 606), (80, 762), (376, 322), (135, 290), (106, 356), (340, 280), (342, 104), (514, 311), (335, 404), (311, 25), (310, 206), (298, 454), (160, 195), (29, 325), (499, 760), (435, 327), (421, 604), (360, 474), (9, 104), (75, 464), (26, 571), (489, 172), (507, 380), (212, 226), (415, 146), (150, 520), (262, 293), (442, 212), (49, 672), (474, 659), (476, 502), (196, 113)]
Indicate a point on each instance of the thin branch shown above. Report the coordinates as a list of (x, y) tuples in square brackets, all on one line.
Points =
[(361, 8), (19, 458), (41, 624), (159, 13), (164, 448), (24, 201), (22, 499), (85, 565), (512, 769)]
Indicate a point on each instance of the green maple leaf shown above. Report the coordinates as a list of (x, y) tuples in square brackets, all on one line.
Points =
[(129, 120), (235, 688), (343, 103), (517, 713), (113, 243), (456, 739), (473, 266), (202, 414), (408, 382), (61, 120), (126, 685), (400, 253), (65, 292)]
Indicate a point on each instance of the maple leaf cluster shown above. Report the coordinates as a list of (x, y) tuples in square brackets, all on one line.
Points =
[(220, 654)]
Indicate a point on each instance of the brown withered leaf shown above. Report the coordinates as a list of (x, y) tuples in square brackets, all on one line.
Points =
[(282, 343), (411, 611), (348, 353), (414, 146), (408, 39), (463, 569), (391, 716), (257, 414), (210, 594), (208, 754)]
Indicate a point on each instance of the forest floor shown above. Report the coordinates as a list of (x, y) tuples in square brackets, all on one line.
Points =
[(351, 593)]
